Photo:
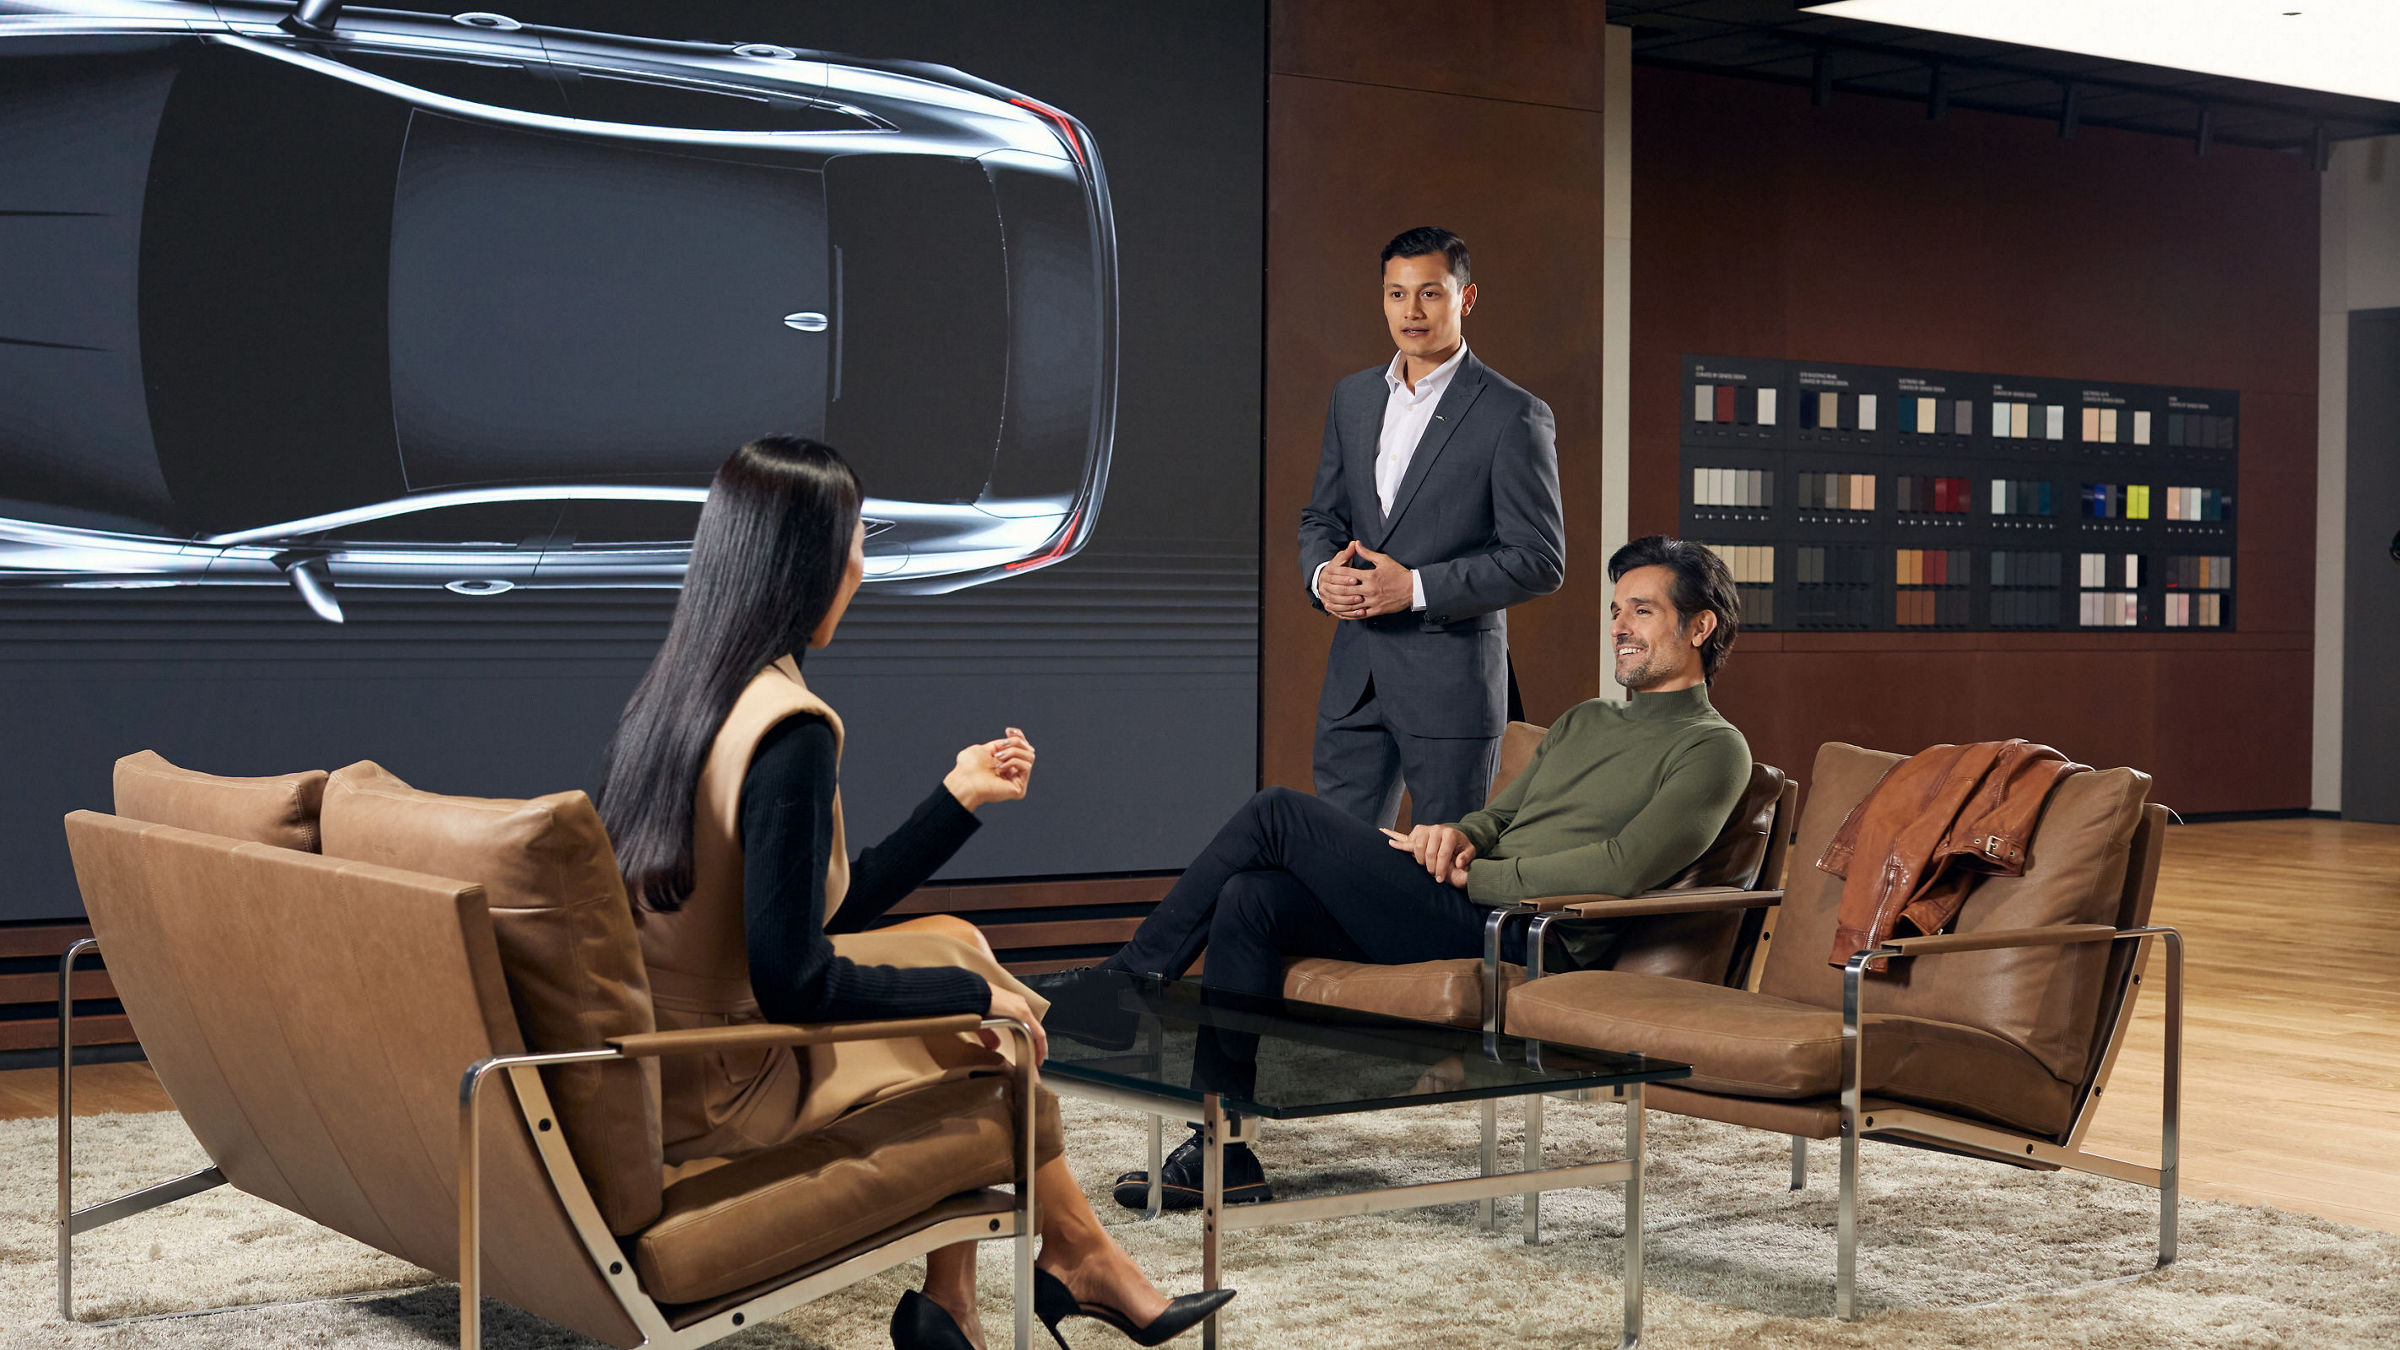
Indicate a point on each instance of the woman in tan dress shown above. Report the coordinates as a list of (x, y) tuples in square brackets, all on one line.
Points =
[(722, 800)]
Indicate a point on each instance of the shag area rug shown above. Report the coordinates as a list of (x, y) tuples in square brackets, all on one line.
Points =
[(1955, 1253)]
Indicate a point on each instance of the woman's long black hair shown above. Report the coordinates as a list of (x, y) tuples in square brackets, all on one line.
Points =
[(767, 562)]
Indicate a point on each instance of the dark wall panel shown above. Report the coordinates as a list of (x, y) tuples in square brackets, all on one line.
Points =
[(1861, 232), (1132, 665), (2371, 573)]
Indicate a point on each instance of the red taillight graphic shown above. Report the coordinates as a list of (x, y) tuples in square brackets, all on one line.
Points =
[(1056, 551), (1066, 129)]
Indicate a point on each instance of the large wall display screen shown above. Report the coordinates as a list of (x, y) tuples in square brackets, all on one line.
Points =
[(361, 372), (1880, 498)]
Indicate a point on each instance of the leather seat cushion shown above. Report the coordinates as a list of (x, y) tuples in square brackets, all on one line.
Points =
[(761, 1214), (1450, 992), (567, 943), (1756, 1045), (279, 810)]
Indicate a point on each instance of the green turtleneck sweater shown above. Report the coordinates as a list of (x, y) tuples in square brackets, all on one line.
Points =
[(1618, 799)]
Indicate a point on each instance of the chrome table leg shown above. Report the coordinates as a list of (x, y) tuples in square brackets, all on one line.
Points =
[(1491, 1157), (1633, 1218), (1799, 1162), (1158, 1163), (1532, 1162), (1212, 1202)]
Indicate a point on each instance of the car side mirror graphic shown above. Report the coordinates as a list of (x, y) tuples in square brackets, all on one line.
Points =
[(314, 580)]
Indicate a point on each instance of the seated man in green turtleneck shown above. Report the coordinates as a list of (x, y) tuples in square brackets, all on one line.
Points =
[(1618, 798)]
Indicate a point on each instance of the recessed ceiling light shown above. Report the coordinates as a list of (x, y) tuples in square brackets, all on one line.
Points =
[(2344, 48)]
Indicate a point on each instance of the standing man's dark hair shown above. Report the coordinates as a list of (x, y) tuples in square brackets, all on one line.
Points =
[(1702, 582), (1435, 508), (1430, 239)]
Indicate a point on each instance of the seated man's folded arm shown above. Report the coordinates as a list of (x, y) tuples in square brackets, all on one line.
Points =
[(1699, 790)]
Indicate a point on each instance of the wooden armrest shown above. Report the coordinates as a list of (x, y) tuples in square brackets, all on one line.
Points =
[(759, 1035), (1699, 900), (2057, 936), (1549, 903)]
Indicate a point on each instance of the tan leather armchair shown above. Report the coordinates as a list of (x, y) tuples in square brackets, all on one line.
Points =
[(1704, 924), (1993, 1040), (422, 1062)]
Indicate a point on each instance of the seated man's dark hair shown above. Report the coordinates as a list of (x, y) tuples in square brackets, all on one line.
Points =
[(1426, 239), (1702, 581)]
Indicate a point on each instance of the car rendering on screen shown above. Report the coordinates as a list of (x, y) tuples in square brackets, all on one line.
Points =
[(334, 297)]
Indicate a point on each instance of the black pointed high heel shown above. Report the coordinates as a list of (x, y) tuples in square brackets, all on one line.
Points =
[(919, 1323), (1053, 1303)]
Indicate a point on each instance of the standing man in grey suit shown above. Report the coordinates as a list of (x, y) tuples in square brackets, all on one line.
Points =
[(1435, 508)]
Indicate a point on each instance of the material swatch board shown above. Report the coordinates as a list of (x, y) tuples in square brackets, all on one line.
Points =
[(1893, 499)]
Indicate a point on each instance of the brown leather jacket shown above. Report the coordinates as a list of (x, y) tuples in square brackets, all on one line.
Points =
[(1941, 820)]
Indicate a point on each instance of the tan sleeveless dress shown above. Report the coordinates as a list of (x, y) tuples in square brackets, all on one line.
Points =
[(719, 1105)]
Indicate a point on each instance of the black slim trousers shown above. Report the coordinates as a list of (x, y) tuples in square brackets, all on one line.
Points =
[(1291, 876)]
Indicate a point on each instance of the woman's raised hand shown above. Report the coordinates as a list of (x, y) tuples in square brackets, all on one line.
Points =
[(993, 771)]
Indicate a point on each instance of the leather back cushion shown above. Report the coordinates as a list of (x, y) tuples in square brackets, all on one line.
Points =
[(1517, 743), (2044, 999), (567, 943), (1700, 946), (1741, 847), (1685, 946), (281, 810)]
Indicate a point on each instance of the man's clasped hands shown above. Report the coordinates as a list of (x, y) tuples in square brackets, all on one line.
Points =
[(1443, 850)]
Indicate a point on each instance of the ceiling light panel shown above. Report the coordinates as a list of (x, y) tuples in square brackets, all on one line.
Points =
[(2336, 46)]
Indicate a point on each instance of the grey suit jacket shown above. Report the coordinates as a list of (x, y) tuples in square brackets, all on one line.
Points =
[(1477, 517)]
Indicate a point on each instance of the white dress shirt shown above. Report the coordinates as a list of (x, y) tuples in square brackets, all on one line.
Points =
[(1406, 414)]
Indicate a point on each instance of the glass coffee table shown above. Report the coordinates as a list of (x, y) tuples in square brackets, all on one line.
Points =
[(1134, 1042)]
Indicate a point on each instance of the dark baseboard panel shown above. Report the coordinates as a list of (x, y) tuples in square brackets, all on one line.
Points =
[(2224, 817), (84, 1054), (1033, 926)]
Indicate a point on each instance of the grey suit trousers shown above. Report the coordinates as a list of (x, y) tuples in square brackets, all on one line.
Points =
[(1362, 763)]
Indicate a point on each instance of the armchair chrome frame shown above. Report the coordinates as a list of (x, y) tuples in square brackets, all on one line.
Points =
[(1540, 916), (523, 1072), (1910, 1125)]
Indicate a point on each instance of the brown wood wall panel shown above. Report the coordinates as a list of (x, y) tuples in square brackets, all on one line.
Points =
[(38, 990), (1515, 51), (41, 1033), (42, 939), (2275, 570), (1861, 232), (41, 986), (1384, 117), (1015, 936), (1008, 895)]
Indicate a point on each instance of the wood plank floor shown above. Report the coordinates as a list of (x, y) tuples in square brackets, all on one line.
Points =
[(2292, 1024), (2291, 1082)]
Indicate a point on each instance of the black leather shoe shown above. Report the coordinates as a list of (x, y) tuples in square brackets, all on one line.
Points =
[(1084, 1004), (919, 1323), (1245, 1179), (1053, 1303)]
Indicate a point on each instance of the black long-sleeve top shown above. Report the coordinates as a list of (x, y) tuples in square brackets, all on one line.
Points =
[(787, 843)]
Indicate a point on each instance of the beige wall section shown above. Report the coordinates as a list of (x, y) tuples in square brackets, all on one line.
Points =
[(1616, 305), (2359, 257)]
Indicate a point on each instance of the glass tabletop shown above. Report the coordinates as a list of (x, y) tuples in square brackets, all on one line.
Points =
[(1176, 1040)]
